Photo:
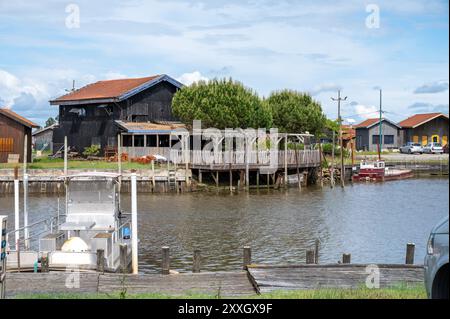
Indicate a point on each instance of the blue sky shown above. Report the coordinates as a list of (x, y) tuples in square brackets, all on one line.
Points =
[(312, 46)]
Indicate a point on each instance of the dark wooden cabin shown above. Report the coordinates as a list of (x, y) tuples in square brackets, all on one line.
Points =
[(13, 129), (88, 115)]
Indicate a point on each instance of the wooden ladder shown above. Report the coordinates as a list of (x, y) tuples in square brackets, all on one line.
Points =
[(172, 179)]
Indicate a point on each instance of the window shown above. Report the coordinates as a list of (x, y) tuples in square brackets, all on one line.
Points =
[(6, 144), (126, 140), (151, 140), (416, 139), (375, 139), (139, 140), (164, 141), (388, 139)]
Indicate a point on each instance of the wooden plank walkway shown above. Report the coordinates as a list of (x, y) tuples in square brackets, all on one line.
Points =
[(258, 279), (226, 283), (267, 278)]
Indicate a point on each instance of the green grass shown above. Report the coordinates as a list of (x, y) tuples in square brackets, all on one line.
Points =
[(58, 163), (399, 292)]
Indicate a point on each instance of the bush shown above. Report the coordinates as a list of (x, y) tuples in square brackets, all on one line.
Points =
[(327, 149), (92, 150)]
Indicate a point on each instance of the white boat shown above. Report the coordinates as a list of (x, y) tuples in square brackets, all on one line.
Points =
[(94, 227)]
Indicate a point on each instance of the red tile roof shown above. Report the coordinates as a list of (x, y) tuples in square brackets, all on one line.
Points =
[(368, 122), (105, 89), (16, 117), (419, 119)]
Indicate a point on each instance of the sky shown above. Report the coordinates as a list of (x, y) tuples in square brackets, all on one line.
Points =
[(317, 47)]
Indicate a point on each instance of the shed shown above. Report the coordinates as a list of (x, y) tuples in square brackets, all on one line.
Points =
[(367, 134), (425, 128), (43, 138), (13, 129)]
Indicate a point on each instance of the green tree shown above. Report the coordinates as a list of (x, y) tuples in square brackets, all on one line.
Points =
[(221, 103), (296, 112), (50, 121)]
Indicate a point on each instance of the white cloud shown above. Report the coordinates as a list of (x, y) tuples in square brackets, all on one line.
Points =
[(190, 78), (366, 111)]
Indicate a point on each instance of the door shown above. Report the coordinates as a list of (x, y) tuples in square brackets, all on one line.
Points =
[(416, 139), (424, 140), (435, 138), (444, 140)]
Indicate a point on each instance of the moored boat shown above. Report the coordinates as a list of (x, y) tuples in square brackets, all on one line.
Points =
[(378, 172)]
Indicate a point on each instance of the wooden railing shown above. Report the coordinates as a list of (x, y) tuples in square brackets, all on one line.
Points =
[(303, 158)]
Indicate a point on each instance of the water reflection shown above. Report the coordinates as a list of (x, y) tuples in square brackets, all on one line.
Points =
[(373, 222)]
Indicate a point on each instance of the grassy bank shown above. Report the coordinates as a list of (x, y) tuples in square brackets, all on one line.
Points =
[(58, 163), (401, 292)]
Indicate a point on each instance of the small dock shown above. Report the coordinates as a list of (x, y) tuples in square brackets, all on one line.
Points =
[(267, 278), (258, 279), (224, 284)]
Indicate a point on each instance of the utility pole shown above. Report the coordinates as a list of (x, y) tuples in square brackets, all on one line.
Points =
[(380, 137), (341, 144)]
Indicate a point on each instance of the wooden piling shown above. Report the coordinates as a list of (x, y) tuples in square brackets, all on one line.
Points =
[(196, 261), (44, 263), (316, 251), (410, 248), (123, 257), (310, 256), (165, 260), (247, 260), (231, 178), (346, 258), (100, 260)]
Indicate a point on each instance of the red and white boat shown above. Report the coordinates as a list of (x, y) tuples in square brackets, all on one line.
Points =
[(378, 172)]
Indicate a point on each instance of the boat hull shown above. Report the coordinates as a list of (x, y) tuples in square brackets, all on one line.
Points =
[(378, 175)]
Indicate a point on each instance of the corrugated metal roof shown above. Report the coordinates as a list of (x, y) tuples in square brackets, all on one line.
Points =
[(149, 127)]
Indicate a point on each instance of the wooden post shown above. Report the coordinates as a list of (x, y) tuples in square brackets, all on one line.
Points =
[(165, 260), (119, 160), (26, 231), (316, 252), (134, 226), (231, 178), (257, 179), (44, 263), (217, 179), (200, 176), (123, 258), (320, 167), (268, 180), (25, 154), (410, 247), (346, 258), (196, 261), (297, 167), (285, 160), (153, 175), (247, 256), (100, 260), (65, 156), (16, 208), (310, 256)]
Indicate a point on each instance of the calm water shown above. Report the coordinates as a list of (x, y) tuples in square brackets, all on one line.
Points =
[(373, 222)]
